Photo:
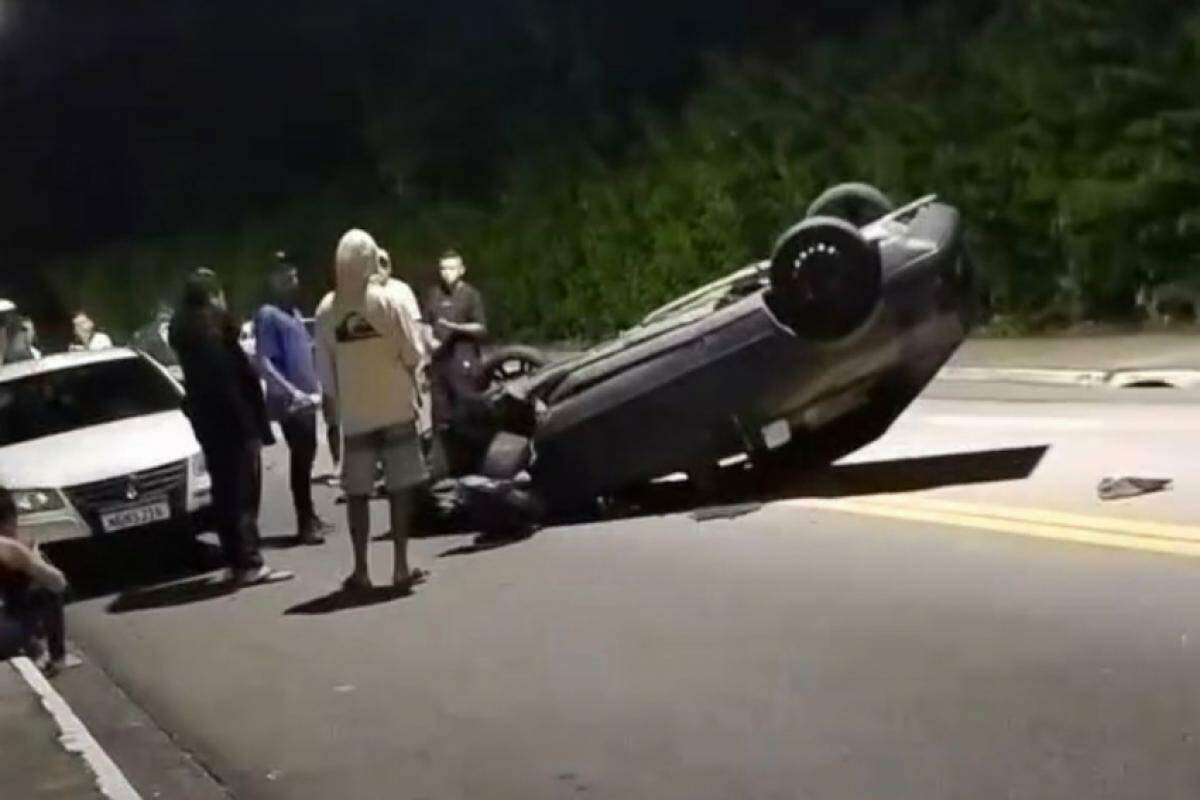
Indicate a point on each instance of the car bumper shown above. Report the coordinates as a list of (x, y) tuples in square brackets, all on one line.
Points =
[(67, 524), (63, 529)]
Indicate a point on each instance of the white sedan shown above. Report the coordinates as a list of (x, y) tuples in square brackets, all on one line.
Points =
[(94, 443)]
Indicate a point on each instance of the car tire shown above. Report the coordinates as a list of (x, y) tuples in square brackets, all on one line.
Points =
[(507, 363), (825, 278), (857, 203)]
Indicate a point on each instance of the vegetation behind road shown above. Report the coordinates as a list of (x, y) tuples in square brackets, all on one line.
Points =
[(1067, 131)]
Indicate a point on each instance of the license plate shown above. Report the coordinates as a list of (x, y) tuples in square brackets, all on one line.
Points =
[(135, 516)]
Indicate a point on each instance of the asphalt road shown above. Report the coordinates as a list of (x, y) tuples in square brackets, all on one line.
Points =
[(951, 613)]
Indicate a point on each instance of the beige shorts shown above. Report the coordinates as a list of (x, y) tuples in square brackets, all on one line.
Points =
[(399, 451)]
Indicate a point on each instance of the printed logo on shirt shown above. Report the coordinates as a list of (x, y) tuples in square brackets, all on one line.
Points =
[(355, 328)]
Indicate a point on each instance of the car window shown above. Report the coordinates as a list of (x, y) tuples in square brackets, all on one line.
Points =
[(93, 394)]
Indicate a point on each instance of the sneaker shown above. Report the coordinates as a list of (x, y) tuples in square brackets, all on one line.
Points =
[(53, 666)]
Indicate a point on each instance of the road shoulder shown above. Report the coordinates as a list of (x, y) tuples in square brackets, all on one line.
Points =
[(89, 740)]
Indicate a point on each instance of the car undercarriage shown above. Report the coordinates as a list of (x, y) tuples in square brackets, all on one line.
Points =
[(792, 362)]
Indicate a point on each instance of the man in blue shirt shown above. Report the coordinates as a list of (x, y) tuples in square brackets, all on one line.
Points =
[(285, 355)]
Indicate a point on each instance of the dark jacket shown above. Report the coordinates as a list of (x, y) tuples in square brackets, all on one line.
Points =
[(224, 397), (150, 341)]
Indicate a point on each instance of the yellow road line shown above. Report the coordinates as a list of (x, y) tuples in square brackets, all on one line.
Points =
[(1029, 522), (1044, 516)]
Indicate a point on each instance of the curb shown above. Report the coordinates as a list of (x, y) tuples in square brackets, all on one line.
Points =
[(74, 736), (1116, 378)]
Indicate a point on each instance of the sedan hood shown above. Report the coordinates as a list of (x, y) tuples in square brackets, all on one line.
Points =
[(98, 452)]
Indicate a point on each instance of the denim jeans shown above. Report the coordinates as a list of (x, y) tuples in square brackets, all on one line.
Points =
[(26, 618)]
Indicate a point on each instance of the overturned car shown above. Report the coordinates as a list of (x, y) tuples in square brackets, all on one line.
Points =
[(794, 361)]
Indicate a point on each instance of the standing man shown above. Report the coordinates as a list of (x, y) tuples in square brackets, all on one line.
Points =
[(400, 291), (455, 310), (86, 335), (284, 351), (403, 294), (368, 357), (224, 403)]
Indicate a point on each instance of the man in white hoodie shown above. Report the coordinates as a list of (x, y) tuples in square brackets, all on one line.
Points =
[(403, 294), (367, 354)]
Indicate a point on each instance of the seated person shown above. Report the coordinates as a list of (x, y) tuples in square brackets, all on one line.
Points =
[(32, 591)]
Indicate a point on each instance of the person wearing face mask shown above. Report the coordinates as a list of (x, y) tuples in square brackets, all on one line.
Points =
[(455, 310)]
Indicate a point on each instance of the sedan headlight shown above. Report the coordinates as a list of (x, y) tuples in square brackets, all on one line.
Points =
[(199, 467), (33, 501)]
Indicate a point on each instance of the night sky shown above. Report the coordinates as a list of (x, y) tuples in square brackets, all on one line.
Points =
[(131, 118)]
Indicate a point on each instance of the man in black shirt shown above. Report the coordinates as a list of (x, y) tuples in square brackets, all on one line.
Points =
[(225, 405), (455, 310)]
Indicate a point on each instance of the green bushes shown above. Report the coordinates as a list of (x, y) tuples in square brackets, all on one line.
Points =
[(1066, 131)]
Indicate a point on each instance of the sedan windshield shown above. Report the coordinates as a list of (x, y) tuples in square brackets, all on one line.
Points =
[(93, 394)]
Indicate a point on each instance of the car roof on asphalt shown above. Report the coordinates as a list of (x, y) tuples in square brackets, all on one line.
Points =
[(59, 361)]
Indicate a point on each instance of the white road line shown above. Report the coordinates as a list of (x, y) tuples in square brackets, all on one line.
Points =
[(75, 736)]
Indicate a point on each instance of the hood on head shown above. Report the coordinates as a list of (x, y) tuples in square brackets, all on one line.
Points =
[(357, 261)]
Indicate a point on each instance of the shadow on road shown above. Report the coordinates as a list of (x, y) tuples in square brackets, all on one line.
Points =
[(196, 590), (741, 490), (342, 600), (127, 564), (917, 474), (283, 542), (98, 567), (484, 543)]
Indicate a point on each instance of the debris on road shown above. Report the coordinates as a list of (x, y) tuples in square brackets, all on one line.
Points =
[(1124, 488)]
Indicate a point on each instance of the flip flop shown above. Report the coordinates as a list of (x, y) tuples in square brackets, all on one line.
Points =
[(264, 575), (416, 576)]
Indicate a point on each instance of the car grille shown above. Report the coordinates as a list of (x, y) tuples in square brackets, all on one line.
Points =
[(168, 481)]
